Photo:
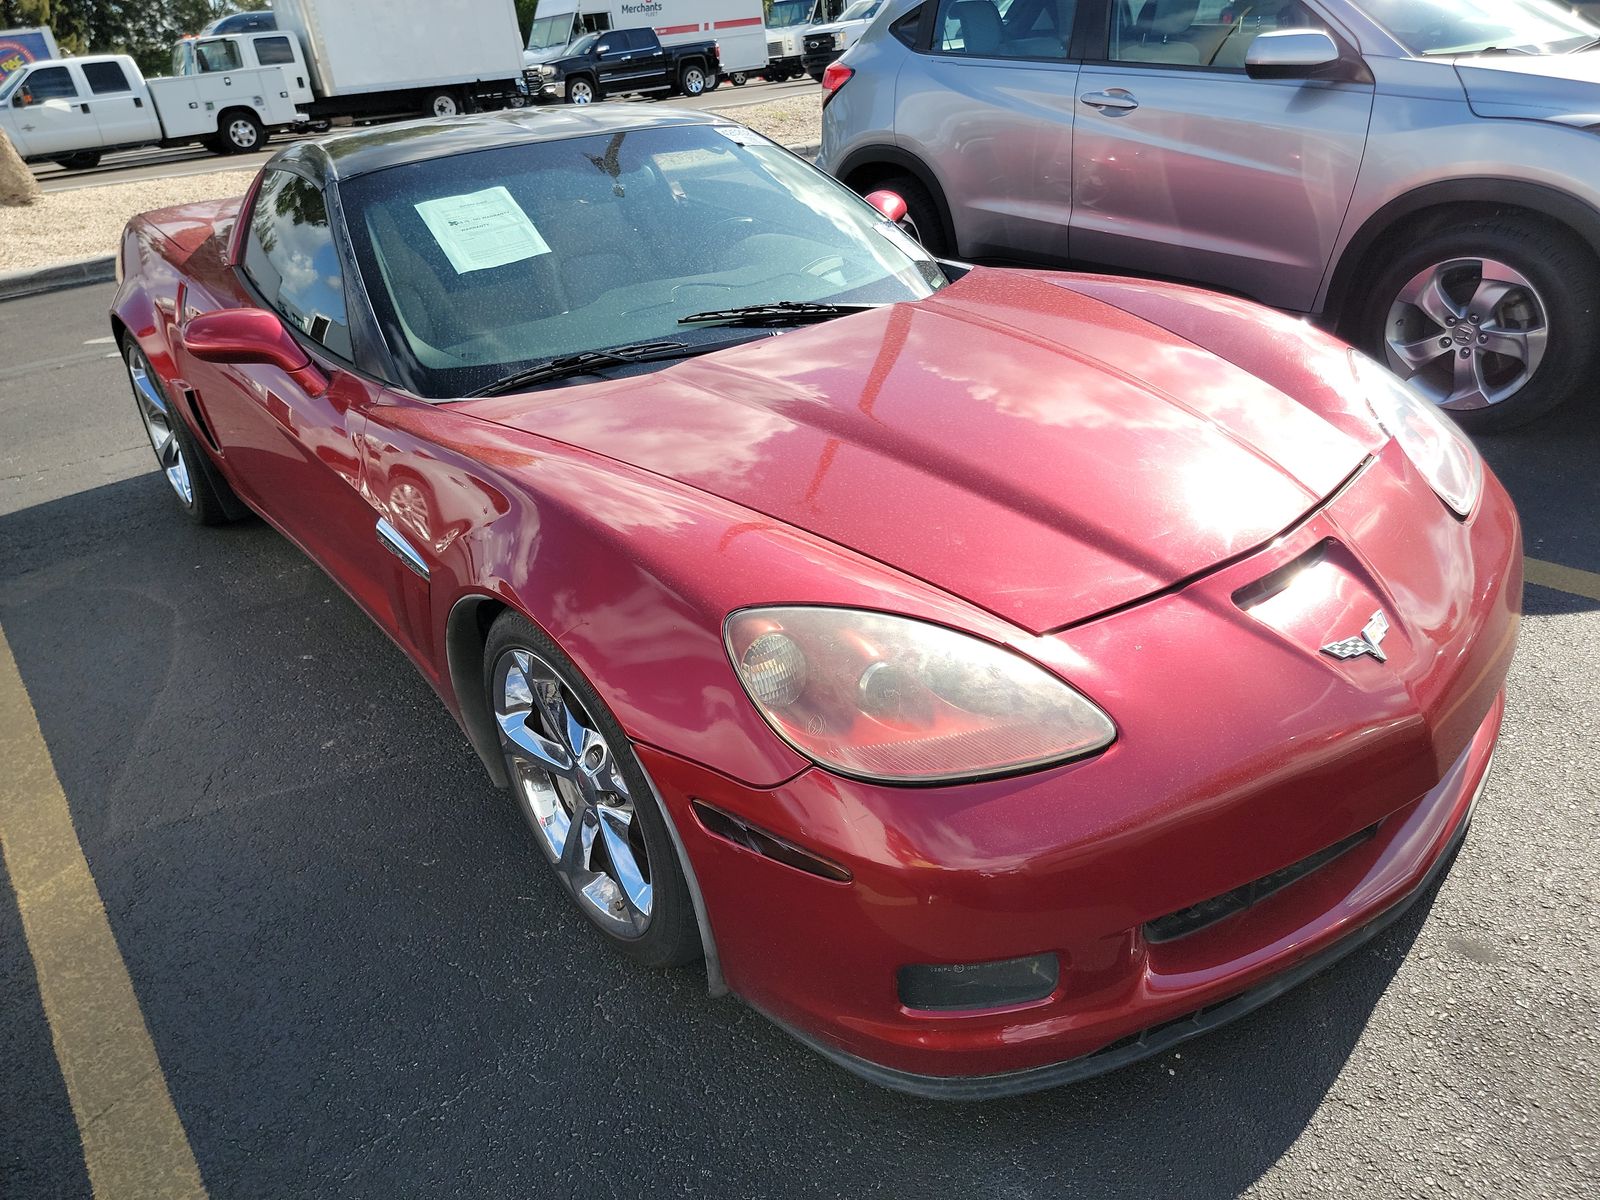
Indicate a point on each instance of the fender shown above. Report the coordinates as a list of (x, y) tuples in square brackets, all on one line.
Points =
[(1546, 201), (880, 155)]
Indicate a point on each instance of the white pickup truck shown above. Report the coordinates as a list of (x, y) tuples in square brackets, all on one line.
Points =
[(73, 110)]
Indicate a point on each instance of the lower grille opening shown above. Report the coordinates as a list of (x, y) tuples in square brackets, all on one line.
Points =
[(1208, 912)]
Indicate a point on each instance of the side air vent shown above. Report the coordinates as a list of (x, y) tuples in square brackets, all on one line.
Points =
[(768, 845)]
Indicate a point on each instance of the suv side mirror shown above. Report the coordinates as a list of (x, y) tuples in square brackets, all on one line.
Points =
[(1294, 54)]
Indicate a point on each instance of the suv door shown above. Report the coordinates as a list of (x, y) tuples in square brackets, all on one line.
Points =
[(988, 103), (1186, 167), (57, 118)]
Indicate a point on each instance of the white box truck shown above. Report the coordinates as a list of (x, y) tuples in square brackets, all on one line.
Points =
[(369, 58), (72, 110), (735, 25)]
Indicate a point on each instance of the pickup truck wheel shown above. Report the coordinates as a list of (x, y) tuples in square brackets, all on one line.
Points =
[(239, 132), (582, 91), (693, 80), (81, 161), (442, 103), (1491, 320)]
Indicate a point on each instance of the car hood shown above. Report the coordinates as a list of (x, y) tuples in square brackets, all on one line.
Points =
[(1532, 85), (1032, 449)]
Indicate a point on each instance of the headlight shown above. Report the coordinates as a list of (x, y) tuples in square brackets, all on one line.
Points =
[(902, 701), (838, 41), (1431, 440)]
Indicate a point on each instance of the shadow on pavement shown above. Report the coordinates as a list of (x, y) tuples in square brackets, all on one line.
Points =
[(360, 980)]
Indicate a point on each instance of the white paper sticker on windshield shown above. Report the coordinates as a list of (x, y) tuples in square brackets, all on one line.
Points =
[(482, 229)]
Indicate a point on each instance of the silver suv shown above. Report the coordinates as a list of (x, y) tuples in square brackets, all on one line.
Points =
[(1422, 174)]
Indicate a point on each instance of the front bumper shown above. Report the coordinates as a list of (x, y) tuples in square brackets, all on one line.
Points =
[(1242, 751)]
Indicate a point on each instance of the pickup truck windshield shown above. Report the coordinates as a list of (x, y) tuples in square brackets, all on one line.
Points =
[(480, 265), (1444, 27), (550, 33), (861, 10)]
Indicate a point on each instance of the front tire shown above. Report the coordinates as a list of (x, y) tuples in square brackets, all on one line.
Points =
[(591, 810), (83, 160), (177, 454), (1492, 319), (582, 90)]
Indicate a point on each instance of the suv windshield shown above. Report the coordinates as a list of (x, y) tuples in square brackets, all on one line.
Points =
[(1436, 27), (788, 13), (479, 265)]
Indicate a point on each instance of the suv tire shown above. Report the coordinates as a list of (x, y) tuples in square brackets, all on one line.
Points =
[(921, 213), (1533, 289)]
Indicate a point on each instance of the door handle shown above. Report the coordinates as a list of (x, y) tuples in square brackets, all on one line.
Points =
[(85, 107), (1119, 99)]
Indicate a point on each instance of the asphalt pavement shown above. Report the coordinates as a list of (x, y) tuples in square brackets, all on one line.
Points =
[(359, 981), (154, 162)]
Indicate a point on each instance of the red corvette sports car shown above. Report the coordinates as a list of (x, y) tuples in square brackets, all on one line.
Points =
[(996, 676)]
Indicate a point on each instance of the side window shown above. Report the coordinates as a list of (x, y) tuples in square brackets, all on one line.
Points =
[(274, 51), (290, 256), (218, 56), (1198, 33), (50, 83), (908, 26), (105, 78), (1039, 29)]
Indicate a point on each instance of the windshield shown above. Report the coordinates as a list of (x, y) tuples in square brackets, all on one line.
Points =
[(860, 10), (1434, 27), (582, 45), (788, 13), (481, 264), (7, 84), (550, 33)]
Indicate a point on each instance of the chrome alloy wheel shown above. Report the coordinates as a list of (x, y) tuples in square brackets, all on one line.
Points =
[(1467, 333), (243, 134), (694, 81), (158, 421), (580, 91), (572, 790)]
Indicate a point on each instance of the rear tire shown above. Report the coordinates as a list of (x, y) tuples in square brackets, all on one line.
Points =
[(692, 80), (599, 795), (240, 132), (738, 79), (445, 102), (1532, 289), (922, 214)]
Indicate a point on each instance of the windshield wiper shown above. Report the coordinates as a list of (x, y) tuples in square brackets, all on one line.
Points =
[(585, 362), (778, 310)]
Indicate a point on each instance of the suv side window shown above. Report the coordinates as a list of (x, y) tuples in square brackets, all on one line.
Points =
[(1198, 33), (105, 78), (50, 83), (1039, 29), (290, 257)]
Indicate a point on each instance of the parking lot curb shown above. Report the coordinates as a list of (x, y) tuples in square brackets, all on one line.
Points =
[(805, 149), (14, 285)]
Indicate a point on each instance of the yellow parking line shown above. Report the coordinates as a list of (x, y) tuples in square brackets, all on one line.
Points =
[(133, 1142), (1562, 579)]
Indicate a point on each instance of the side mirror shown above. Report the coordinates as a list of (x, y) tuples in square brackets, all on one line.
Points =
[(250, 335), (602, 48), (890, 204), (22, 99), (1293, 54)]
